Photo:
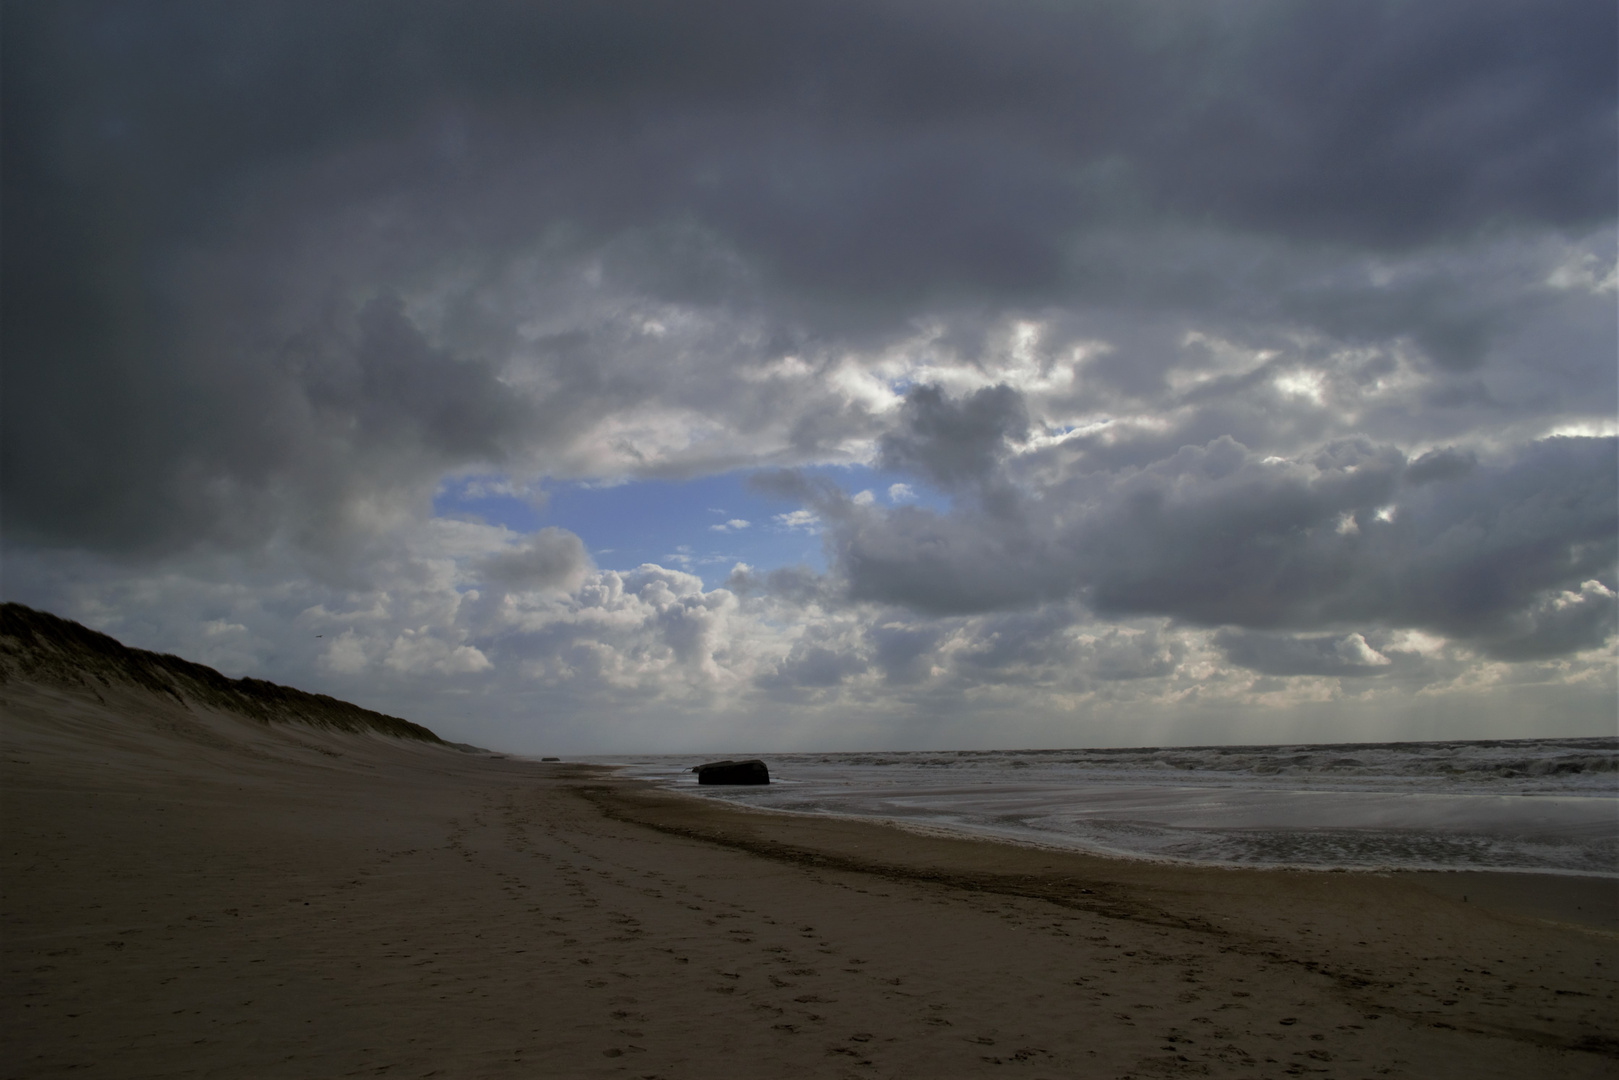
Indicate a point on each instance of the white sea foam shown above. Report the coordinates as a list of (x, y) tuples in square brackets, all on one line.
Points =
[(1547, 805)]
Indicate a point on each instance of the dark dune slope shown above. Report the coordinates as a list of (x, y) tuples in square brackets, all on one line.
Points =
[(38, 647)]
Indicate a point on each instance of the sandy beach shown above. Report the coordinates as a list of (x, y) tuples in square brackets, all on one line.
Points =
[(187, 892)]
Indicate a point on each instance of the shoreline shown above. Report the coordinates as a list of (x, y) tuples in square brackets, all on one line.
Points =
[(1575, 898), (1589, 903)]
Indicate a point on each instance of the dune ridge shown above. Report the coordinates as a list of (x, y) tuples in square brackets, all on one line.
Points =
[(39, 647)]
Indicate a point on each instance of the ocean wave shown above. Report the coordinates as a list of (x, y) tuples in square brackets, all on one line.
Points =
[(1544, 805)]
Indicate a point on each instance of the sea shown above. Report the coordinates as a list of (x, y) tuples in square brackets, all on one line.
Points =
[(1536, 805)]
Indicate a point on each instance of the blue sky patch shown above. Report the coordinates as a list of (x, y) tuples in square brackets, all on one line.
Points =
[(704, 526)]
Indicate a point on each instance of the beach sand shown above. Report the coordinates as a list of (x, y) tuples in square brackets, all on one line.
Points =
[(188, 893)]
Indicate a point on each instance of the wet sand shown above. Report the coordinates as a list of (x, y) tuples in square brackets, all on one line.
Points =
[(187, 893)]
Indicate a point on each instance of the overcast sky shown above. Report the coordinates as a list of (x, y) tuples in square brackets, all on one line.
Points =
[(618, 376)]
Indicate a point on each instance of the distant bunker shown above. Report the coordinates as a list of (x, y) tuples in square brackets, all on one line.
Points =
[(733, 772)]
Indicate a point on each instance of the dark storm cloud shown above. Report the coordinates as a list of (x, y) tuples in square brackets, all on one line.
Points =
[(1211, 533), (388, 385), (1446, 464), (188, 186), (1557, 624), (1499, 553), (929, 562), (1399, 122), (274, 270), (954, 444), (1284, 654)]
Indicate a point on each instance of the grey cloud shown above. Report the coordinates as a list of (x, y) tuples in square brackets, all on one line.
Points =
[(1556, 624), (818, 491), (1043, 647), (1009, 646), (1286, 654), (810, 666), (1209, 533), (1467, 556), (272, 271), (1038, 648), (1400, 122), (550, 558), (394, 387), (1461, 556), (902, 650), (161, 453), (954, 443), (1445, 464), (929, 562), (798, 585), (1216, 535), (1118, 656), (173, 171)]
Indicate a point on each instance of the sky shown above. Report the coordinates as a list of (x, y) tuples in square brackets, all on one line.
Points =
[(621, 376)]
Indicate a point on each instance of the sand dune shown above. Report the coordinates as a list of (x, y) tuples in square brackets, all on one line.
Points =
[(189, 890)]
